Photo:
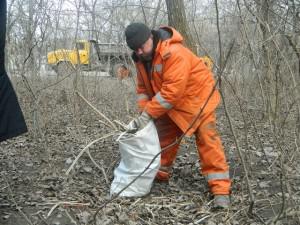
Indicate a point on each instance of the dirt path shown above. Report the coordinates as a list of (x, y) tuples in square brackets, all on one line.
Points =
[(33, 168)]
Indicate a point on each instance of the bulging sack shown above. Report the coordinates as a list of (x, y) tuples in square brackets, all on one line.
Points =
[(137, 151)]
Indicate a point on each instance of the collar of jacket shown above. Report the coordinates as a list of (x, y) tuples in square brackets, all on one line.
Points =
[(162, 42)]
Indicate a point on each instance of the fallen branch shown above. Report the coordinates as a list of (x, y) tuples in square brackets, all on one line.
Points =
[(121, 124), (99, 167), (65, 204), (85, 148), (97, 111), (108, 125)]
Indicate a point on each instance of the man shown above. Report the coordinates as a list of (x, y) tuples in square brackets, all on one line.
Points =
[(173, 86), (12, 122)]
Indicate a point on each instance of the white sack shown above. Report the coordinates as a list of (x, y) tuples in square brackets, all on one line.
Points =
[(137, 151)]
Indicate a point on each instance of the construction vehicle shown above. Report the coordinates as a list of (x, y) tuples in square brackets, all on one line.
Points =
[(89, 55)]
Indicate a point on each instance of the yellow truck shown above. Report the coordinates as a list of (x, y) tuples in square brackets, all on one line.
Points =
[(89, 55)]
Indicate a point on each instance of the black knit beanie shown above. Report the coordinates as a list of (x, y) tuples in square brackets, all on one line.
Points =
[(136, 35)]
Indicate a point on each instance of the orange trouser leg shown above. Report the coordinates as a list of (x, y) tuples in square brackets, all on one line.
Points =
[(168, 132), (211, 153)]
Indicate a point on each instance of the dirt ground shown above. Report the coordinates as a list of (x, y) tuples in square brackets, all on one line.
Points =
[(35, 189)]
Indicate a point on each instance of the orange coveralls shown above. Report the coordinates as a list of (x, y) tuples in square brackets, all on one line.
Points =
[(173, 94)]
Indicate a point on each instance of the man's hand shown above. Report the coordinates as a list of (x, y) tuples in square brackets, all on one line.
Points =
[(139, 123)]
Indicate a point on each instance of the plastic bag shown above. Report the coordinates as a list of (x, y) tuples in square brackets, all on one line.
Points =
[(137, 151)]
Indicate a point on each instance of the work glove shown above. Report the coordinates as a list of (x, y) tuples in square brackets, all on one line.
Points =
[(138, 123)]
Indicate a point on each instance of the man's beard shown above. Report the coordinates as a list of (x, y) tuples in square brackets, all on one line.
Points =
[(146, 57)]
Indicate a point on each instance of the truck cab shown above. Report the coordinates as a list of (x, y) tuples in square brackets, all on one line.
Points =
[(89, 55)]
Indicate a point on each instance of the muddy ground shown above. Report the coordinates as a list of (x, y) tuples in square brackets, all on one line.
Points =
[(35, 189)]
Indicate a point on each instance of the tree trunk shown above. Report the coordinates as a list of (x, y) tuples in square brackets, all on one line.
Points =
[(177, 19), (29, 35), (268, 57)]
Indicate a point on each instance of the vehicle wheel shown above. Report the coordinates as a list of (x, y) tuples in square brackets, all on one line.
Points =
[(64, 69)]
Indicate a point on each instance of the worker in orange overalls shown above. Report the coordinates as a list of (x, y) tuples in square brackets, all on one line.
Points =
[(173, 86)]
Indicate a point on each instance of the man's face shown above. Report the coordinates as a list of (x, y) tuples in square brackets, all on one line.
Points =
[(145, 51)]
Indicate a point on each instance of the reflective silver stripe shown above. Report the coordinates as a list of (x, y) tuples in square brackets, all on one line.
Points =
[(142, 96), (162, 101), (165, 169), (217, 176), (158, 68)]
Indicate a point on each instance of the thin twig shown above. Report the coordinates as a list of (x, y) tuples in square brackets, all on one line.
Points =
[(70, 217), (120, 123), (72, 203), (102, 122), (239, 153), (230, 123), (202, 219), (99, 167), (96, 110), (85, 148)]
